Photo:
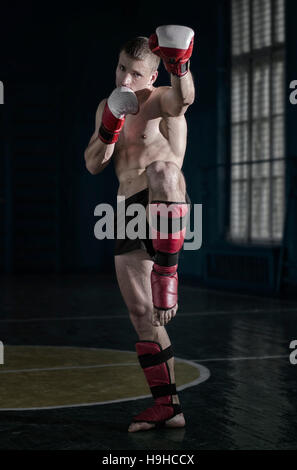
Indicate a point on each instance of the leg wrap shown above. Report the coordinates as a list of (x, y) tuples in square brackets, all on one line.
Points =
[(168, 225), (153, 361)]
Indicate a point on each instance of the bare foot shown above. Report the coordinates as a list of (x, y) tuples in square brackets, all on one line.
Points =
[(177, 421), (162, 317)]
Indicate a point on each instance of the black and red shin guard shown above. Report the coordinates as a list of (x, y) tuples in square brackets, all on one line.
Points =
[(168, 222), (153, 359)]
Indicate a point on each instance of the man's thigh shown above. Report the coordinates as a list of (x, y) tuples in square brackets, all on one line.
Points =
[(181, 187), (133, 272)]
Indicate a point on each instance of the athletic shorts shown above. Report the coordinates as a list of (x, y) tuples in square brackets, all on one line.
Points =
[(125, 245)]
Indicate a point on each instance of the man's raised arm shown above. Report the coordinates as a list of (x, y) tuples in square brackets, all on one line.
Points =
[(174, 44)]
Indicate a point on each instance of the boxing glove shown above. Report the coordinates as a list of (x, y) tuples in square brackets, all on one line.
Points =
[(174, 44), (121, 102)]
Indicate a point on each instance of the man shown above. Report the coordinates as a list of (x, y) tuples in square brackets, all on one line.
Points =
[(143, 127)]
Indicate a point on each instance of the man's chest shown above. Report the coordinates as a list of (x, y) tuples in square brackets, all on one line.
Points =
[(139, 130), (143, 131)]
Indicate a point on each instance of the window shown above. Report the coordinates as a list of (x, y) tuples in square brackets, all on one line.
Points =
[(257, 121)]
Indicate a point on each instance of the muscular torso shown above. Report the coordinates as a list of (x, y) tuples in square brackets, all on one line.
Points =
[(147, 137)]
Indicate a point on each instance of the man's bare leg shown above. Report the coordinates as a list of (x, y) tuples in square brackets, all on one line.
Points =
[(133, 273)]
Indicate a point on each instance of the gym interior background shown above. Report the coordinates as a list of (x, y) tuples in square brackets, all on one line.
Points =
[(57, 63)]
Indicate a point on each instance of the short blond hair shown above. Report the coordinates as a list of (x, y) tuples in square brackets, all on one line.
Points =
[(138, 48)]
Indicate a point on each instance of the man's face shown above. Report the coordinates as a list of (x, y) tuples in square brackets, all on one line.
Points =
[(135, 74)]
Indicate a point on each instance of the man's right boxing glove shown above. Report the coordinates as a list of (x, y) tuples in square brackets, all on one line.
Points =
[(174, 44), (122, 101)]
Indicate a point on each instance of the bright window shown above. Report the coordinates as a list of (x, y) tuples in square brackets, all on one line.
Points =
[(257, 121)]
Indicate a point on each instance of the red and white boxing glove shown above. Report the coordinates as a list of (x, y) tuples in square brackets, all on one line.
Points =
[(174, 44), (122, 101)]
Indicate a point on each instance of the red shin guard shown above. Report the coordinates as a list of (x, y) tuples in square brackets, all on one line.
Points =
[(153, 360), (168, 226)]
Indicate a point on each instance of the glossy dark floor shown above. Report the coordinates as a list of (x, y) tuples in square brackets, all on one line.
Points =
[(248, 402)]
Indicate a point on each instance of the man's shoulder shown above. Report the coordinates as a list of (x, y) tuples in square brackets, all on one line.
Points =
[(165, 115), (101, 104), (162, 89), (100, 108), (159, 92)]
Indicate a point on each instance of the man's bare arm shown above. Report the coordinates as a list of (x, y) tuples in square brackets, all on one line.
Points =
[(177, 98), (98, 154)]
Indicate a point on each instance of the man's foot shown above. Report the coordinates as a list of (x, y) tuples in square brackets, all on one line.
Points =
[(177, 421), (162, 317)]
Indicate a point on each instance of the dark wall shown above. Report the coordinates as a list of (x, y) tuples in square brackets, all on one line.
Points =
[(57, 64), (71, 53)]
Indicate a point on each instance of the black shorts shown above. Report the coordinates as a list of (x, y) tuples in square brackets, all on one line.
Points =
[(125, 245)]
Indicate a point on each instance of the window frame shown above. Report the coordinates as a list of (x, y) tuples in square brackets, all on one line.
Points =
[(249, 60)]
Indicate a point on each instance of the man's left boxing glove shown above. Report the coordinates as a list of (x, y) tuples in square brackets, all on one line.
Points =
[(121, 102), (174, 44)]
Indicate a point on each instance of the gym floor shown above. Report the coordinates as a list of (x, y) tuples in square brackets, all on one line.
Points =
[(71, 378)]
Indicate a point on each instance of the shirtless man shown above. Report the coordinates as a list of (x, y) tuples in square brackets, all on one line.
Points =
[(143, 127)]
